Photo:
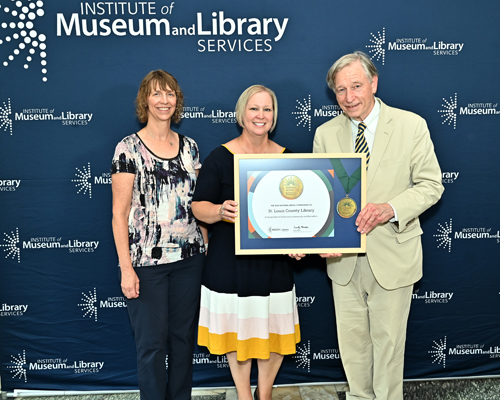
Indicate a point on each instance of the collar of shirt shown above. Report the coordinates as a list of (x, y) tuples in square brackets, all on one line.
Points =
[(371, 125)]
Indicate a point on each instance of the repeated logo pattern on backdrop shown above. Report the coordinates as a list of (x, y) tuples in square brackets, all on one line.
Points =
[(305, 113), (379, 47), (442, 351), (451, 110), (69, 74)]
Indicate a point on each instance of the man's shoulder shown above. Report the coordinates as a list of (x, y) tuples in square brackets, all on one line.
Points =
[(335, 123), (398, 113)]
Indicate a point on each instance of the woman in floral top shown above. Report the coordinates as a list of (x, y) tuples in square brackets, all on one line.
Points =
[(159, 243)]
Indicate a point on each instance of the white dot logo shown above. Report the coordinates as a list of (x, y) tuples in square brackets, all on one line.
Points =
[(376, 47), (22, 32), (438, 352), (10, 245), (18, 370), (83, 180), (449, 113), (303, 113), (5, 119), (303, 356), (89, 305), (444, 235)]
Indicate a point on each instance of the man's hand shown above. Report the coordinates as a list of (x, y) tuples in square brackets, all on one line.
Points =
[(372, 215)]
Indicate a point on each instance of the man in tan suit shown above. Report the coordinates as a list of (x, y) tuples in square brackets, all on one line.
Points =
[(372, 292)]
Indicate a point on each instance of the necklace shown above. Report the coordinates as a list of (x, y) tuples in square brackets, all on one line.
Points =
[(246, 152), (169, 141)]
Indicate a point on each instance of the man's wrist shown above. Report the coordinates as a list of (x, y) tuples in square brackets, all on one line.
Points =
[(395, 218)]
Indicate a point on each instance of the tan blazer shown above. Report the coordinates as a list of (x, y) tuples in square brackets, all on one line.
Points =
[(403, 171)]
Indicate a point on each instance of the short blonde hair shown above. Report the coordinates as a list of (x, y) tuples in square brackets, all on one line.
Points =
[(348, 59), (151, 81), (245, 97)]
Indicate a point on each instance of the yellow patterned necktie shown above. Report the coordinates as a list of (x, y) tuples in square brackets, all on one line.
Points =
[(361, 144)]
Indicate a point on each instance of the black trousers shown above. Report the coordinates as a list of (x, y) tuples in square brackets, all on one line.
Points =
[(163, 319)]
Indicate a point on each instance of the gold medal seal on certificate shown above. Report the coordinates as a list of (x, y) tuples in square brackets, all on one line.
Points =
[(346, 207), (291, 187)]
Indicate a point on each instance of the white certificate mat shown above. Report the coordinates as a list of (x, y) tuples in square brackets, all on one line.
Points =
[(275, 215)]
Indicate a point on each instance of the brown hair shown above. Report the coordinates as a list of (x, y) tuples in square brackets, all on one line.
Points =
[(151, 81)]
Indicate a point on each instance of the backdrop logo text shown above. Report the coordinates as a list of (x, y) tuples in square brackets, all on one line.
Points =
[(379, 46), (150, 19)]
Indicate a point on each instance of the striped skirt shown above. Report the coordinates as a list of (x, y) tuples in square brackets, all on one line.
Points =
[(253, 325)]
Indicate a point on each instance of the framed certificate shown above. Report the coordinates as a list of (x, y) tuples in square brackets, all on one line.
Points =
[(299, 203)]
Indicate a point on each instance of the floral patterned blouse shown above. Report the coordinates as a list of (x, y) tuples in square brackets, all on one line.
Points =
[(162, 228)]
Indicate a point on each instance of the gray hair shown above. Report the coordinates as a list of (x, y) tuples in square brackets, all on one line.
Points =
[(348, 59)]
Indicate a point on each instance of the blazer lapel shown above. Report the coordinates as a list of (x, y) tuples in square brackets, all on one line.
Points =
[(380, 143), (344, 136)]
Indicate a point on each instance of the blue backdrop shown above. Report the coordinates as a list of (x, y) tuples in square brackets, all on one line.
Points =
[(69, 75)]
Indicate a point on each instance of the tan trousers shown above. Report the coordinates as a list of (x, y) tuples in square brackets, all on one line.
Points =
[(371, 330)]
